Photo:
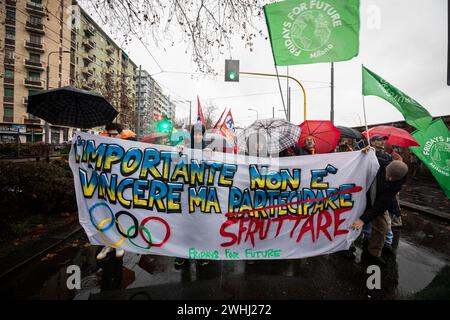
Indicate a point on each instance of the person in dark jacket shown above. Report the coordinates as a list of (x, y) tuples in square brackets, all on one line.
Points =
[(309, 148), (389, 180), (379, 142), (198, 136)]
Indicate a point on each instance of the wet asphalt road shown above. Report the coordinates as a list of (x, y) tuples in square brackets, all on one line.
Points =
[(419, 270)]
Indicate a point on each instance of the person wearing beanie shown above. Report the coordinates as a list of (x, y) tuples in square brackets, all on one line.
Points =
[(389, 182)]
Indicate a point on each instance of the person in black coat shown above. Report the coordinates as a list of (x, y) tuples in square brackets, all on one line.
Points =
[(389, 180)]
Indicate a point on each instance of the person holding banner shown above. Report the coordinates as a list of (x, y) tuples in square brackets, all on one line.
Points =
[(113, 130), (389, 182)]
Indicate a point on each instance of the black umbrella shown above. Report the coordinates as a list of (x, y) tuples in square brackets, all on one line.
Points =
[(71, 107), (351, 133)]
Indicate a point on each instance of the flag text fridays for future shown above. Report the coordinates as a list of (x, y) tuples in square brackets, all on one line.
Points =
[(434, 152), (312, 31), (150, 199), (414, 114)]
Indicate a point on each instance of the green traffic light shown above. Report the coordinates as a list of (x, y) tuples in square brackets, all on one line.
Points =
[(232, 75)]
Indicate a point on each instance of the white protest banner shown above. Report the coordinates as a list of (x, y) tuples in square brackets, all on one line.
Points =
[(151, 199)]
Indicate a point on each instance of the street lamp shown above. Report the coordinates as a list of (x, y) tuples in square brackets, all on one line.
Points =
[(257, 114), (47, 135)]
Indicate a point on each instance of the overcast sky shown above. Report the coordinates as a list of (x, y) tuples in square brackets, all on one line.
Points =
[(408, 48)]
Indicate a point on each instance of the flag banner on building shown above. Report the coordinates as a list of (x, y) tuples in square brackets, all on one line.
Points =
[(228, 130), (200, 117), (150, 199), (414, 114), (434, 152), (312, 31)]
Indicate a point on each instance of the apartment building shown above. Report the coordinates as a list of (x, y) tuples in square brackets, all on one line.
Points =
[(60, 35), (99, 64), (34, 35)]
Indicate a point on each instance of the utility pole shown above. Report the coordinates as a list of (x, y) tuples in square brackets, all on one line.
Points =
[(190, 112), (47, 85), (138, 124), (273, 112)]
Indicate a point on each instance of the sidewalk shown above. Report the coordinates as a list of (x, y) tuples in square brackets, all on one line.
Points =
[(426, 196)]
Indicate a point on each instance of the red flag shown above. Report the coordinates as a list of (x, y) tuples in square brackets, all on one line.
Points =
[(228, 130), (218, 121), (200, 116)]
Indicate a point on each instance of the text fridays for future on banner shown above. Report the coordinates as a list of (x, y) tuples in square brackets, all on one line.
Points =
[(149, 199), (312, 31), (434, 152)]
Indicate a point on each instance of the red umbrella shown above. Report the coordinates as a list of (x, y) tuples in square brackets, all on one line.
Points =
[(325, 134), (396, 136), (152, 137)]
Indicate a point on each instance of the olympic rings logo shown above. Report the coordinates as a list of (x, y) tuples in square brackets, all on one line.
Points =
[(133, 231)]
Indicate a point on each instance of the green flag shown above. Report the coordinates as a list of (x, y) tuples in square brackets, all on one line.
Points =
[(434, 152), (312, 31), (414, 114)]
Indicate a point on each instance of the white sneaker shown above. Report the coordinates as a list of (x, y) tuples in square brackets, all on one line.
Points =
[(102, 255), (119, 253)]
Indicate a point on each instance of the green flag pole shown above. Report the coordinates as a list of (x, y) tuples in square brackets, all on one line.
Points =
[(364, 108)]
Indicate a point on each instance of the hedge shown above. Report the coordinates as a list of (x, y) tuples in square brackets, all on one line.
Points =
[(35, 188)]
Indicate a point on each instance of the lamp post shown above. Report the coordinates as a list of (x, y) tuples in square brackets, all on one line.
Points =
[(47, 133), (257, 114)]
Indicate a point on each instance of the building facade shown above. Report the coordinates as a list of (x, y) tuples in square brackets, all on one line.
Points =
[(60, 35), (32, 33), (144, 96), (99, 64)]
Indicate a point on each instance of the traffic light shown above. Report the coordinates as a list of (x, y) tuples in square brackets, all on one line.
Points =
[(232, 70), (165, 125)]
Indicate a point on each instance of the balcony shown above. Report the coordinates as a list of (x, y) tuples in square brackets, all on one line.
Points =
[(25, 100), (89, 30), (10, 42), (109, 50), (10, 23), (8, 81), (88, 72), (11, 3), (88, 58), (9, 61), (35, 8), (35, 27), (38, 47), (32, 120), (8, 100), (34, 83), (109, 63), (88, 44), (87, 86), (36, 65)]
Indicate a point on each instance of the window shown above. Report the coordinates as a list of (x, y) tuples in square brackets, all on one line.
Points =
[(9, 73), (34, 57), (10, 14), (34, 76), (36, 1), (10, 33), (35, 20), (32, 92), (9, 92), (8, 111), (36, 39), (9, 54)]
